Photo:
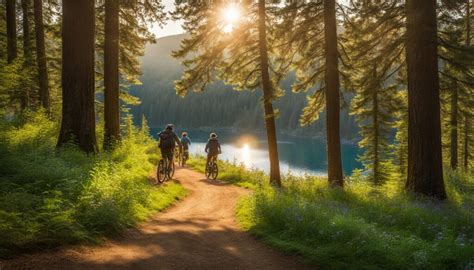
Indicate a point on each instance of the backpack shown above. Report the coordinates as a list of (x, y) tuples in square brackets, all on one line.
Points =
[(166, 140)]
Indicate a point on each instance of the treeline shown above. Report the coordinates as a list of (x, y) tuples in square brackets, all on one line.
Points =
[(75, 60), (160, 104), (407, 63)]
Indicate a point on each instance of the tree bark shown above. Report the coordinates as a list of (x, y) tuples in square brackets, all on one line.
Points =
[(467, 120), (275, 178), (425, 171), (454, 128), (111, 74), (78, 82), (25, 92), (25, 6), (41, 56), (11, 30), (335, 176), (375, 102)]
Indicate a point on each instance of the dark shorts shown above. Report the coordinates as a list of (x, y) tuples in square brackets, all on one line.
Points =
[(212, 155), (167, 153), (186, 153)]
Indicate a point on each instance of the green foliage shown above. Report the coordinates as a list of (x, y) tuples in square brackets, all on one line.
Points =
[(364, 227), (232, 173), (161, 105), (210, 53), (373, 63), (50, 197)]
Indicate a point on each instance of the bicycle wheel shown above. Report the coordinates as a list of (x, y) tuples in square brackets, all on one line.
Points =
[(215, 171), (183, 161), (160, 172), (177, 158), (171, 170), (208, 170)]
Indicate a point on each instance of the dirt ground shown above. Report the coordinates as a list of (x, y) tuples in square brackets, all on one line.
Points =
[(200, 232)]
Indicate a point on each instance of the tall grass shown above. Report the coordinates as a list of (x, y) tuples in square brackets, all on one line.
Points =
[(50, 197), (362, 226)]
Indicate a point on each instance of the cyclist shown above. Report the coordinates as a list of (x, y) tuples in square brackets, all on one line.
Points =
[(213, 148), (168, 141), (186, 142)]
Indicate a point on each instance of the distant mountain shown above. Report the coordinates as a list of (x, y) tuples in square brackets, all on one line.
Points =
[(219, 106)]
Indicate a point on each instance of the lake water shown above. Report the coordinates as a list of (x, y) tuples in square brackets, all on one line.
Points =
[(297, 155)]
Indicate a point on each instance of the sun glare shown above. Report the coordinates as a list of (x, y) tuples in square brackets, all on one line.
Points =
[(230, 15), (246, 156)]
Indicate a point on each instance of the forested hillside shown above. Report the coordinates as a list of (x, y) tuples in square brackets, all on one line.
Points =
[(161, 105)]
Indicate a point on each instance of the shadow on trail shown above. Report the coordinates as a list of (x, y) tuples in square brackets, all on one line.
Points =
[(204, 248), (214, 182), (200, 232)]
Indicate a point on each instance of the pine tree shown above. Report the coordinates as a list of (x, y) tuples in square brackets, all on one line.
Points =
[(26, 88), (242, 57), (456, 73), (309, 31), (111, 74), (78, 83), (44, 95), (133, 19), (468, 113), (425, 172), (11, 30), (373, 63)]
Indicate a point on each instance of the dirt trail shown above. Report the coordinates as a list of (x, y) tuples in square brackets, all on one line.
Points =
[(199, 232)]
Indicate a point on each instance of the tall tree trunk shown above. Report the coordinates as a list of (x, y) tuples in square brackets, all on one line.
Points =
[(467, 120), (41, 56), (454, 128), (25, 7), (11, 30), (111, 73), (25, 93), (425, 171), (375, 116), (78, 116), (268, 95), (335, 176)]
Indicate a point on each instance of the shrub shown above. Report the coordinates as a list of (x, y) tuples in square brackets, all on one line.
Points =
[(361, 226), (50, 197)]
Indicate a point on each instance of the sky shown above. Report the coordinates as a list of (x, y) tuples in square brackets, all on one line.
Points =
[(171, 27), (174, 27)]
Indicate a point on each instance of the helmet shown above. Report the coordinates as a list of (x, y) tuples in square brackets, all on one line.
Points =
[(184, 134), (213, 135), (169, 127)]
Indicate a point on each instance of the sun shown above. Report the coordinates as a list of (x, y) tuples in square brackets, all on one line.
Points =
[(230, 15)]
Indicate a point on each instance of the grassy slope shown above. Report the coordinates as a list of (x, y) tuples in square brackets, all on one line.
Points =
[(361, 227), (49, 197)]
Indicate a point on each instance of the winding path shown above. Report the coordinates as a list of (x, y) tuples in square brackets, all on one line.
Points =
[(199, 232)]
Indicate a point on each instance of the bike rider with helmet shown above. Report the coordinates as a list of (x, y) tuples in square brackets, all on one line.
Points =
[(168, 141), (185, 142), (213, 148)]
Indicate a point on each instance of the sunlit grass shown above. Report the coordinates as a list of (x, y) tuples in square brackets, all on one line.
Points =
[(50, 197), (361, 227)]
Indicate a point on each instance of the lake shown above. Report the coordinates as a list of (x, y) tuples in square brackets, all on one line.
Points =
[(297, 155)]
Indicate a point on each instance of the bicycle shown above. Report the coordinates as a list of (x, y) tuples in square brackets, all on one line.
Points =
[(184, 156), (178, 157), (165, 170), (212, 170)]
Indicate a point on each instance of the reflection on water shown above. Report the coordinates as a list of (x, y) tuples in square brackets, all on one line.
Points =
[(245, 153), (297, 155)]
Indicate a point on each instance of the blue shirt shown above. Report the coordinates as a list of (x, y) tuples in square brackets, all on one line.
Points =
[(185, 141)]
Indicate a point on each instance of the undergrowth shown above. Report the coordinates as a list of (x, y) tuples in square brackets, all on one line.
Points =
[(361, 226), (51, 197)]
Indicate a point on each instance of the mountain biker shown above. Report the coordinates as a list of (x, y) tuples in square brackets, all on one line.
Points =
[(213, 148), (186, 142), (168, 140)]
